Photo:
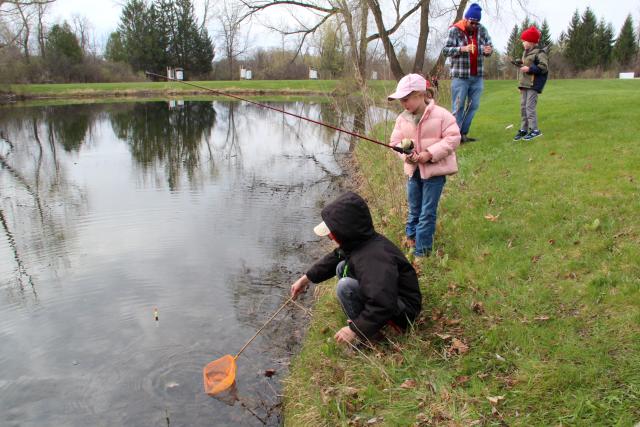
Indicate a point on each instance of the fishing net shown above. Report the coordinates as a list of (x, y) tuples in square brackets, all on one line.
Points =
[(219, 375)]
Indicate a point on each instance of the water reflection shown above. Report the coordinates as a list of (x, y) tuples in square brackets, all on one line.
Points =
[(172, 136), (107, 211)]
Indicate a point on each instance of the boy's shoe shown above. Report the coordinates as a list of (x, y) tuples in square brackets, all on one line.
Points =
[(521, 134), (532, 134)]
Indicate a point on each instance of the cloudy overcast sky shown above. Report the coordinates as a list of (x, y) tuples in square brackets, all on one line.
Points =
[(104, 15)]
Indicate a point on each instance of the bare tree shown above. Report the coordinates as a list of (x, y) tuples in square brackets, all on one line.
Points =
[(234, 40), (42, 30), (82, 29), (351, 16), (15, 16), (25, 17), (384, 33)]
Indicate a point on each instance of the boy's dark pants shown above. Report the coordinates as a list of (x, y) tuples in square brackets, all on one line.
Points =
[(348, 292)]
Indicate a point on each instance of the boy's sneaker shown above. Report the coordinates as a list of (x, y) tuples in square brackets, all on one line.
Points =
[(532, 134), (521, 134)]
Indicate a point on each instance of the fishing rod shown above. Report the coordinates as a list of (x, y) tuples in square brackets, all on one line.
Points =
[(400, 148)]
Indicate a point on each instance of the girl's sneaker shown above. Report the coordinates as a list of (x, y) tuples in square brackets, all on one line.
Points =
[(521, 134), (533, 134)]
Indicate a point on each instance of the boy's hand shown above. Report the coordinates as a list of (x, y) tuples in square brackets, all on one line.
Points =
[(345, 335), (524, 69), (299, 286)]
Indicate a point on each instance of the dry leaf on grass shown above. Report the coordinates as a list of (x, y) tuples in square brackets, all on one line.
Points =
[(495, 400), (477, 307), (351, 391), (458, 347), (409, 383), (542, 318), (492, 218), (461, 380)]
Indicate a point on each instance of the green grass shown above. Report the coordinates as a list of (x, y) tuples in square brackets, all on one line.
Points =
[(546, 296), (318, 87)]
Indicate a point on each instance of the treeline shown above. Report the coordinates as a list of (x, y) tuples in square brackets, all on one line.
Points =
[(155, 34), (587, 48)]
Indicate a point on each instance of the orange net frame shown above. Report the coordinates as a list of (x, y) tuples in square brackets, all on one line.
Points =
[(219, 375)]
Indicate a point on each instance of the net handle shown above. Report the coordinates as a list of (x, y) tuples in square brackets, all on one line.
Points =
[(263, 326)]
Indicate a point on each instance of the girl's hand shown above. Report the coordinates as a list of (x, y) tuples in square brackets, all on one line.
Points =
[(422, 157), (411, 158)]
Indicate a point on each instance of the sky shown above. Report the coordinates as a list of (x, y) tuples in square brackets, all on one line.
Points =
[(104, 16)]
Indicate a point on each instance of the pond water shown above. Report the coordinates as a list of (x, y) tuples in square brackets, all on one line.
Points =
[(201, 210)]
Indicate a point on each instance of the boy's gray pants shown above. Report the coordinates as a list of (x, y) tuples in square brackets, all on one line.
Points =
[(528, 102)]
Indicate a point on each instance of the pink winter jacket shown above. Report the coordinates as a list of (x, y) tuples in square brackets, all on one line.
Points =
[(437, 132)]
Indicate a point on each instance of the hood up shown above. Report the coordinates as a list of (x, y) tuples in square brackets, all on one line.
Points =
[(349, 220)]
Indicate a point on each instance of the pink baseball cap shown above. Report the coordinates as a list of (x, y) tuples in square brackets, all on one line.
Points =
[(408, 84)]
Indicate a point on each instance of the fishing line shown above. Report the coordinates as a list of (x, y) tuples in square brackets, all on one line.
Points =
[(398, 148)]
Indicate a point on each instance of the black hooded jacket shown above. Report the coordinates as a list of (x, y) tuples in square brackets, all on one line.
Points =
[(383, 272)]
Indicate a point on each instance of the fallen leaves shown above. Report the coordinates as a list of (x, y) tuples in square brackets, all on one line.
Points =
[(477, 307), (458, 347), (460, 381), (492, 218), (409, 383), (495, 400)]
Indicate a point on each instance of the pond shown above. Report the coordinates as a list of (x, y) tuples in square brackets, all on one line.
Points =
[(200, 210)]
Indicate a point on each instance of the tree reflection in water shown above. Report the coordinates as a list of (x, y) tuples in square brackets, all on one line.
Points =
[(37, 195), (172, 136)]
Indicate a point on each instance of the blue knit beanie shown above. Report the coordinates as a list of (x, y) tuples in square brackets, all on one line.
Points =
[(474, 12)]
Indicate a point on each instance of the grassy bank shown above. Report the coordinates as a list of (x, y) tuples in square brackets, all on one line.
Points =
[(250, 87), (532, 303)]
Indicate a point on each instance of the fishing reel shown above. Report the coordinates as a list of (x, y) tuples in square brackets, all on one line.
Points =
[(517, 62), (405, 147)]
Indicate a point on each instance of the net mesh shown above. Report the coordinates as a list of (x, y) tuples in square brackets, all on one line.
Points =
[(219, 375)]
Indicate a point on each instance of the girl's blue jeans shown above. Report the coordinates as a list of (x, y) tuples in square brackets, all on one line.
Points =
[(423, 196)]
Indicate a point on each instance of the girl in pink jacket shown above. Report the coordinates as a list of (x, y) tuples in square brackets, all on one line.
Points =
[(435, 136)]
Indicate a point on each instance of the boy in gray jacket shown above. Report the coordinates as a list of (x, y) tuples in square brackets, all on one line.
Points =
[(534, 70)]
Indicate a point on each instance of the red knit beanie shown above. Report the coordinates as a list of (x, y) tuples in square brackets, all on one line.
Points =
[(531, 34)]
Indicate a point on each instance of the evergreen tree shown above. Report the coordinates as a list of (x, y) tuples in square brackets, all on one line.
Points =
[(513, 43), (187, 45), (332, 57), (204, 53), (604, 44), (571, 42), (588, 30), (133, 29), (626, 46), (545, 36), (115, 51), (63, 44)]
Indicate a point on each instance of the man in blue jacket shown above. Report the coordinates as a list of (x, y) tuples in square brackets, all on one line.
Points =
[(377, 284)]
